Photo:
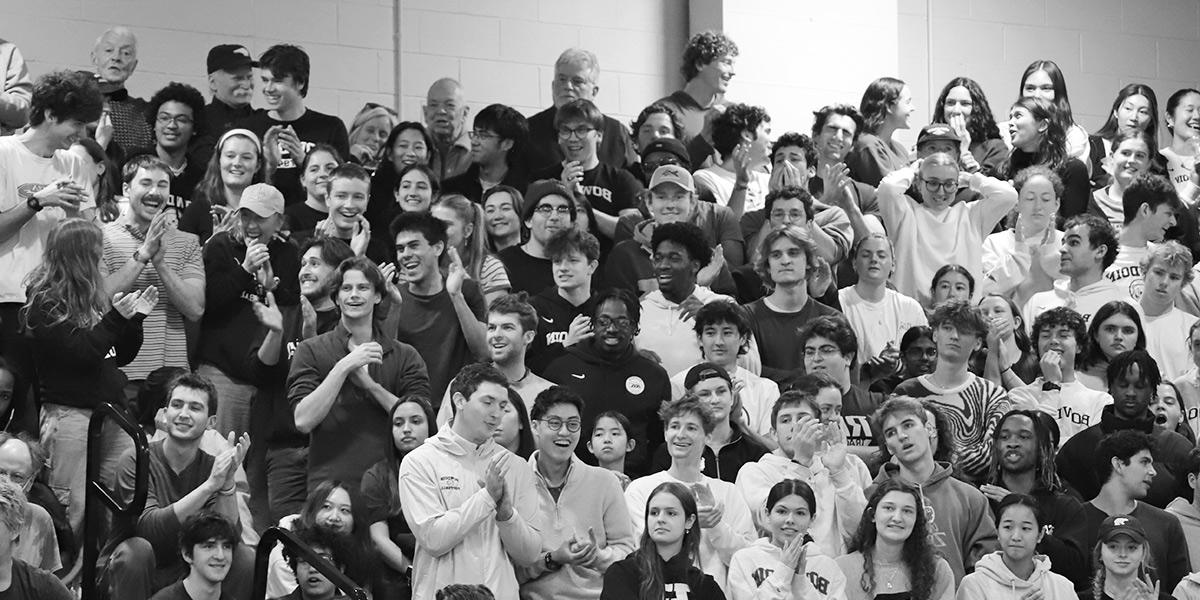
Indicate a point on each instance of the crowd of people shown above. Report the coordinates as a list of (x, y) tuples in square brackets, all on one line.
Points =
[(565, 357)]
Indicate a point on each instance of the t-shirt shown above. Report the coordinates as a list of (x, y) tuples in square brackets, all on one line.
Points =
[(23, 174), (164, 340), (973, 410), (878, 323), (715, 184), (312, 128), (429, 324), (609, 189), (527, 273), (858, 404), (1167, 340), (33, 583), (302, 218), (176, 591), (1180, 169), (775, 332), (1126, 271)]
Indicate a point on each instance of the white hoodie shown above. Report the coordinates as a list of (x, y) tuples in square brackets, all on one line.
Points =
[(758, 573), (840, 498), (1188, 588), (1085, 301), (453, 516), (992, 580), (666, 334)]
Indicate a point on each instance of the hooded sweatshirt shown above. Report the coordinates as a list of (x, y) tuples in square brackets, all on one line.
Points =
[(1074, 406), (758, 573), (453, 517), (1188, 588), (681, 580), (992, 580), (628, 383), (1085, 301), (960, 520), (1075, 457), (1189, 518), (717, 544), (840, 498), (1065, 542), (666, 333)]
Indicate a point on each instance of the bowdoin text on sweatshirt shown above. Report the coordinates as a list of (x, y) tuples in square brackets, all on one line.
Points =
[(453, 516), (758, 573)]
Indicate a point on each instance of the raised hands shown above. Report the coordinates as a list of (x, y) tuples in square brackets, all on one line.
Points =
[(134, 303), (268, 313)]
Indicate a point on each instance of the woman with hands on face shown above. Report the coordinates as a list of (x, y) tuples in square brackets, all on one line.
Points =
[(965, 108), (79, 340), (786, 564)]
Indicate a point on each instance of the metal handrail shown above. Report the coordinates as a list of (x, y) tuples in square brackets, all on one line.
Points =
[(262, 559), (98, 496)]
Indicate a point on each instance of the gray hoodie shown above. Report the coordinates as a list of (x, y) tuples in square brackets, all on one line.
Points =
[(992, 580)]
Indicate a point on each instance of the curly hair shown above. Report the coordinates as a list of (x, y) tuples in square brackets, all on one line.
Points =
[(982, 123), (1172, 255), (918, 554), (788, 192), (799, 140), (658, 108), (1024, 175), (822, 115), (703, 48), (66, 286), (1046, 440), (727, 127), (1151, 190), (796, 236), (881, 94), (687, 404), (1100, 233), (687, 235), (66, 95), (183, 94)]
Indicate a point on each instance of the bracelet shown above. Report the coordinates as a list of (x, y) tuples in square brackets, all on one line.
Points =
[(550, 563), (741, 187)]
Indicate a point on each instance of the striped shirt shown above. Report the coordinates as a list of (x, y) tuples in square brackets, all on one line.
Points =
[(165, 342), (492, 276)]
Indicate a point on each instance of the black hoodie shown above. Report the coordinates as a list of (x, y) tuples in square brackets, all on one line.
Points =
[(681, 579), (629, 383), (1075, 460), (555, 314)]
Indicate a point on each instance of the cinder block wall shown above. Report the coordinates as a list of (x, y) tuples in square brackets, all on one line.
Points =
[(1101, 46)]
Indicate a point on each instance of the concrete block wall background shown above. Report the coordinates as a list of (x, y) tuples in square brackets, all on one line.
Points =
[(1101, 45)]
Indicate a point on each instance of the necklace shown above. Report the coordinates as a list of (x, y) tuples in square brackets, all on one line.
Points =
[(523, 376), (893, 569)]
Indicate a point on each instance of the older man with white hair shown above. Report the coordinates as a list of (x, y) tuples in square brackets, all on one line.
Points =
[(446, 113), (115, 57), (576, 77)]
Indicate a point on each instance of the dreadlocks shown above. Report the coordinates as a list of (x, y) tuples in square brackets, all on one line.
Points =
[(1047, 439)]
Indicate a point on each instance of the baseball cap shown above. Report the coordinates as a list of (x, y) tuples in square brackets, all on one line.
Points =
[(1122, 524), (702, 372), (937, 132), (263, 199), (673, 174), (228, 57), (671, 146)]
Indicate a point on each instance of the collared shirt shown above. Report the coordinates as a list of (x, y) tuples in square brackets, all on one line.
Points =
[(455, 160), (164, 342)]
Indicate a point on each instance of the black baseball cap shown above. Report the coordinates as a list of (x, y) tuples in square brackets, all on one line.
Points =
[(670, 146), (937, 132), (228, 57), (703, 371), (1122, 524)]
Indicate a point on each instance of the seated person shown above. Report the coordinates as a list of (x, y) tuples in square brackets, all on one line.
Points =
[(742, 136), (332, 506), (22, 460), (207, 542), (313, 585), (19, 579)]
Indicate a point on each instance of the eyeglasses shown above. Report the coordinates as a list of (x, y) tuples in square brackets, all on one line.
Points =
[(919, 353), (825, 351), (180, 120), (482, 135), (546, 210), (780, 215), (556, 424), (567, 133), (575, 82), (933, 185), (619, 323)]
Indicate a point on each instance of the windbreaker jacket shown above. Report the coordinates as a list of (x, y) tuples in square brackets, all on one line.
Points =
[(757, 573), (453, 517), (992, 580)]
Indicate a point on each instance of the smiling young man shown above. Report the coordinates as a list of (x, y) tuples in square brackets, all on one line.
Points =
[(679, 252), (708, 67), (1061, 337), (1089, 247), (612, 191), (610, 374), (176, 116), (935, 230), (1149, 205), (592, 528), (565, 309), (974, 402), (497, 143), (346, 198), (960, 524), (723, 517), (184, 481), (1165, 269), (742, 136), (343, 383), (511, 327), (207, 542), (472, 505), (1133, 378), (830, 348), (576, 77), (1125, 466), (548, 209), (440, 315), (288, 128)]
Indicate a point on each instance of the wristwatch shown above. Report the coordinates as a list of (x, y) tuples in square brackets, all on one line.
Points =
[(550, 563), (1050, 386), (34, 204), (138, 260)]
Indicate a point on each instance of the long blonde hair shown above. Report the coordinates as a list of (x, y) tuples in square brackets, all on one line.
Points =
[(67, 286), (474, 244)]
